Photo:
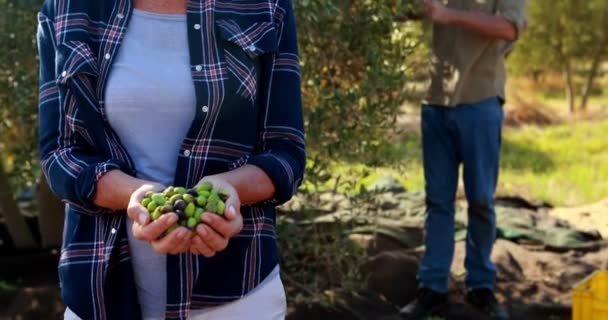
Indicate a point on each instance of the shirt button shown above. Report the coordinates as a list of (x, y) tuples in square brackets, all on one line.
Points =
[(113, 231), (205, 109), (199, 68), (252, 48), (120, 16), (64, 73), (107, 56), (197, 26), (187, 153)]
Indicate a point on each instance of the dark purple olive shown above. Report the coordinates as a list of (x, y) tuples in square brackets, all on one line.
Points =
[(181, 214), (193, 193), (179, 205)]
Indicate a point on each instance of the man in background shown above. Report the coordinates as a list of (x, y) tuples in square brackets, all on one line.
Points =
[(462, 121)]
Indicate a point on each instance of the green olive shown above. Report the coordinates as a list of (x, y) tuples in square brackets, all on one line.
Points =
[(190, 209), (145, 202), (180, 190), (198, 213), (201, 201), (221, 206), (192, 223), (152, 206), (159, 198), (224, 195), (188, 198), (214, 192), (205, 186), (175, 197), (213, 198), (157, 213), (168, 192), (211, 207), (149, 194), (167, 207)]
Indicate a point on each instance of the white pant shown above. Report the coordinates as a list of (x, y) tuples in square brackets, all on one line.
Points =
[(266, 302)]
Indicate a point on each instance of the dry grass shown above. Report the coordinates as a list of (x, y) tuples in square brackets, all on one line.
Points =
[(519, 112), (548, 93)]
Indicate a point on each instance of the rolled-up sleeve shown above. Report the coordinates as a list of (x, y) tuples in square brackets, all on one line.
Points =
[(514, 11), (282, 141), (67, 156)]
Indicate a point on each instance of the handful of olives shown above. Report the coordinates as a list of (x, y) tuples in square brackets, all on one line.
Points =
[(189, 205)]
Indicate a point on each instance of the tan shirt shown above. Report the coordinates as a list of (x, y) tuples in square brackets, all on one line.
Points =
[(468, 67)]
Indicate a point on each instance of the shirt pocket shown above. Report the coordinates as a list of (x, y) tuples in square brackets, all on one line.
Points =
[(243, 42), (77, 73)]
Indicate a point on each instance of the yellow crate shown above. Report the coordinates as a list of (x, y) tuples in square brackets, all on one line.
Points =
[(590, 298)]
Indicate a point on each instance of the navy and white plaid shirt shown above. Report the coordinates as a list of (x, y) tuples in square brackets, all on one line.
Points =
[(245, 70)]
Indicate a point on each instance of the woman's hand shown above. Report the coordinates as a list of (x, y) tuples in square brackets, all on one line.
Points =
[(213, 235), (144, 229)]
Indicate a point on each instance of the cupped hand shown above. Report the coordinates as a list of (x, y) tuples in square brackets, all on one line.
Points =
[(177, 241), (214, 233)]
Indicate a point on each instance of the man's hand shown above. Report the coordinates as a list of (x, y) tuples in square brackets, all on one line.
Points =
[(437, 12), (143, 229), (484, 24), (213, 235)]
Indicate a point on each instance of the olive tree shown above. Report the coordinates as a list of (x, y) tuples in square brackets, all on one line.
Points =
[(567, 36)]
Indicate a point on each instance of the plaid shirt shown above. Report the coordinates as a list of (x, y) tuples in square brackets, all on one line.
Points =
[(245, 70)]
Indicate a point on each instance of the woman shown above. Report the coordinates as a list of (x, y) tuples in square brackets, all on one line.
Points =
[(137, 95)]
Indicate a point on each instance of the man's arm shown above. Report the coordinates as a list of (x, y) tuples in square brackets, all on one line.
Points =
[(493, 26)]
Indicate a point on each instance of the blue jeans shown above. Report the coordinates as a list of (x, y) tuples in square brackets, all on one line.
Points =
[(469, 134)]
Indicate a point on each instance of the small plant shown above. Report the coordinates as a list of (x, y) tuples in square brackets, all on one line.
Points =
[(318, 256)]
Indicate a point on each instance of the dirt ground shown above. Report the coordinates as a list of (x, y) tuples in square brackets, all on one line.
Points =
[(30, 287), (587, 217), (532, 284)]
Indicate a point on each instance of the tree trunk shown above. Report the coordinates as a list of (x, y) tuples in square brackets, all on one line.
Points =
[(570, 93), (595, 65), (50, 215), (15, 221)]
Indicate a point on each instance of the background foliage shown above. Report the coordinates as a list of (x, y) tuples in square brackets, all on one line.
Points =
[(18, 90), (356, 60), (568, 37)]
